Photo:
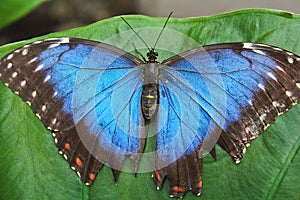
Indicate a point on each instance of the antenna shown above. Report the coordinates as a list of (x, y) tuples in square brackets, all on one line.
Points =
[(136, 33), (142, 38), (162, 29)]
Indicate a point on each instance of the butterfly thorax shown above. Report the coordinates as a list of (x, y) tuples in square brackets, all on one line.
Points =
[(149, 99)]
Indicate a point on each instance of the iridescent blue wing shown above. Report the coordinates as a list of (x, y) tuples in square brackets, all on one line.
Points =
[(87, 93), (229, 93)]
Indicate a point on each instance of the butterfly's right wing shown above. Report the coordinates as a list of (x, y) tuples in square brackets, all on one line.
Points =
[(87, 93)]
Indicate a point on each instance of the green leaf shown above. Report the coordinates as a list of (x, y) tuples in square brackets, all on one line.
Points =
[(11, 10), (30, 167)]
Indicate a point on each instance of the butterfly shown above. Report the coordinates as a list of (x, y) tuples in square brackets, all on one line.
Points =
[(99, 101)]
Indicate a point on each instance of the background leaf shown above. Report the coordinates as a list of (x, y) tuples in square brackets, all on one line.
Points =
[(11, 10), (30, 167)]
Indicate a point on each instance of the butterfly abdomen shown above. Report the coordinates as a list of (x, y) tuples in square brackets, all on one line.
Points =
[(149, 100)]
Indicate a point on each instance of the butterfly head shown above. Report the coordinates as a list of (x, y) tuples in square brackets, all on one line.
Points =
[(152, 56)]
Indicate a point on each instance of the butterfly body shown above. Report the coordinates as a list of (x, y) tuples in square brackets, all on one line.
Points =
[(97, 100)]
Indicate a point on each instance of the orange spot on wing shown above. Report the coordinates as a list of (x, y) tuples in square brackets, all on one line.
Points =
[(67, 147), (92, 176), (199, 185), (232, 154), (157, 175), (60, 133), (78, 162), (177, 189)]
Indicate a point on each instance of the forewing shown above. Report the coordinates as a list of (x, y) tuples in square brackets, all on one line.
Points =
[(84, 92)]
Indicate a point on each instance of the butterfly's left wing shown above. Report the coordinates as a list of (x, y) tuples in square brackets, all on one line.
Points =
[(87, 93), (227, 93)]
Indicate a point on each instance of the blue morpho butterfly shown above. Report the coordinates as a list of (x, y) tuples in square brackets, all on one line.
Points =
[(98, 101)]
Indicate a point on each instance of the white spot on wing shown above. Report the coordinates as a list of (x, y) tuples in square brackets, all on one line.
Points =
[(14, 74), (288, 93), (16, 92), (244, 150), (250, 102), (248, 130), (10, 56), (43, 109), (290, 60), (9, 65), (38, 42), (47, 78), (38, 116), (262, 45), (262, 117), (277, 49), (259, 52), (33, 94), (64, 40), (51, 39), (53, 45), (248, 45), (298, 85), (253, 137), (55, 94), (275, 103), (278, 67), (39, 67), (23, 83), (271, 76), (32, 60), (29, 103), (261, 86), (54, 121), (25, 52)]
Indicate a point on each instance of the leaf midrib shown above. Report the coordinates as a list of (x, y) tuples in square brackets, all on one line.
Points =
[(283, 170)]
